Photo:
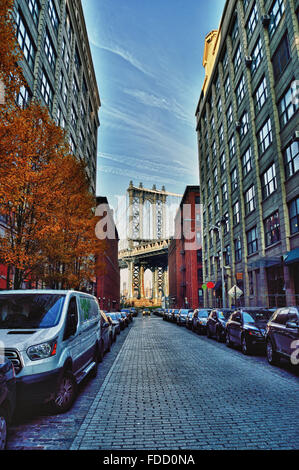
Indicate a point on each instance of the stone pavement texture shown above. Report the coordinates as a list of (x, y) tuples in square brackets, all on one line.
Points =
[(171, 389)]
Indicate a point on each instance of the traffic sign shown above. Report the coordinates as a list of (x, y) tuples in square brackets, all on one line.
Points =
[(235, 292)]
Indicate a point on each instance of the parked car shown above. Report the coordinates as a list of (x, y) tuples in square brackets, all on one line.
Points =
[(282, 336), (165, 313), (174, 315), (7, 398), (216, 323), (146, 313), (199, 320), (125, 317), (246, 328), (121, 319), (128, 312), (134, 311), (114, 324), (181, 317), (189, 320), (53, 339), (106, 334)]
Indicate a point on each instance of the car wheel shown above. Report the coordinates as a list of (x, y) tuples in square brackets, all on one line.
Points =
[(244, 346), (3, 429), (272, 356), (66, 393)]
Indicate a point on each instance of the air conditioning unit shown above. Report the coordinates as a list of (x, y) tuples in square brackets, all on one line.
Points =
[(238, 125), (266, 20), (248, 60), (296, 136)]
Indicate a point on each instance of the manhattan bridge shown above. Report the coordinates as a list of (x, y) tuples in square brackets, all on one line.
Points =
[(150, 221)]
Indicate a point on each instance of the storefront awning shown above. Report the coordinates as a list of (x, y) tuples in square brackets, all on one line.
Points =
[(292, 256)]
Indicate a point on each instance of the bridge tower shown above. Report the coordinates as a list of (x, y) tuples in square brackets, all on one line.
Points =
[(148, 240)]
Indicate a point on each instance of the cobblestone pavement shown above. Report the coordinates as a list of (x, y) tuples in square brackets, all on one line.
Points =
[(164, 387)]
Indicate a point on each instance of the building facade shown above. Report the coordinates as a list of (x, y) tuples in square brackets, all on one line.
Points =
[(184, 253), (107, 267), (247, 128), (59, 72)]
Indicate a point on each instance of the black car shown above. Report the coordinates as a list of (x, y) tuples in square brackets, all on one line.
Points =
[(128, 312), (181, 317), (216, 323), (115, 324), (282, 336), (134, 311), (174, 315), (246, 328), (7, 398), (189, 320), (199, 320), (121, 319)]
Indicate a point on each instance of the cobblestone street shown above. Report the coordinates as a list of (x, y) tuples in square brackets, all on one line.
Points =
[(164, 387)]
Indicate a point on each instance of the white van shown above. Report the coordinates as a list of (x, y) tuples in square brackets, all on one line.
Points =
[(53, 339)]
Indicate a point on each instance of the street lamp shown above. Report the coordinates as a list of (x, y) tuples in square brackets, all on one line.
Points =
[(219, 230)]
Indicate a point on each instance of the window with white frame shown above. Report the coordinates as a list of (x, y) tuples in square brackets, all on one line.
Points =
[(261, 94), (250, 200), (269, 181), (265, 136), (247, 161)]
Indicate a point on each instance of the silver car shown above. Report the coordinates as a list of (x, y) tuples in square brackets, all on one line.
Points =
[(53, 339)]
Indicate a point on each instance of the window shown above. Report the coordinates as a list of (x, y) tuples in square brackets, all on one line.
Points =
[(226, 224), (237, 59), (227, 255), (220, 134), (229, 115), (214, 150), (291, 159), (34, 8), (244, 124), (219, 107), (53, 15), (252, 22), (77, 60), (216, 203), (272, 229), (281, 57), (224, 192), (235, 30), (276, 12), (217, 85), (209, 187), (225, 61), (232, 146), (24, 40), (60, 120), (257, 55), (210, 215), (252, 241), (227, 87), (47, 91), (250, 200), (269, 182), (74, 117), (234, 179), (215, 175), (240, 91), (245, 4), (222, 163), (261, 94), (23, 97), (72, 145), (247, 161), (287, 106), (294, 215), (212, 124), (236, 213), (265, 136), (68, 27), (49, 50), (238, 250), (75, 89)]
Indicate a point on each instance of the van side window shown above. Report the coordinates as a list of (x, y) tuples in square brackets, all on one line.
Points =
[(281, 317), (72, 318)]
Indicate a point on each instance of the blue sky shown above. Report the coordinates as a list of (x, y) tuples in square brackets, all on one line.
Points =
[(148, 61)]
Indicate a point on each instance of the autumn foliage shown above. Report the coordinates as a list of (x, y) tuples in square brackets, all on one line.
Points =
[(48, 235)]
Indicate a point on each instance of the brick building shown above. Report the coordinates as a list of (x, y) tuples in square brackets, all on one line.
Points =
[(247, 128), (184, 253), (108, 271)]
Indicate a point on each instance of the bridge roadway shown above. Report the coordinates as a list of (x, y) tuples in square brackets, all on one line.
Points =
[(164, 387)]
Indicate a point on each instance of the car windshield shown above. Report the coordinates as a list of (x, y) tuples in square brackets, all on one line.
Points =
[(26, 311), (224, 315), (257, 315), (113, 316), (203, 313)]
